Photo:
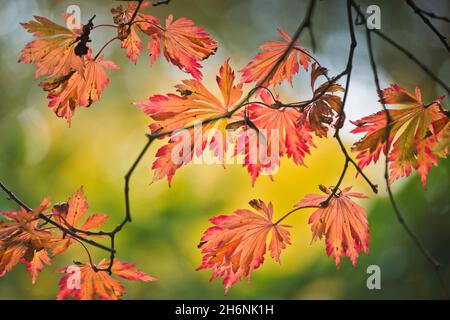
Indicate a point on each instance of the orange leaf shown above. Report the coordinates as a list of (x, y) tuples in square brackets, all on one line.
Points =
[(275, 125), (272, 51), (324, 110), (343, 223), (184, 44), (78, 88), (53, 53), (416, 132), (70, 214), (129, 35), (195, 103), (21, 239), (37, 263), (236, 244), (98, 284)]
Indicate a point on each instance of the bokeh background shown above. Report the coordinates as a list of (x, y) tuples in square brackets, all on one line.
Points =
[(40, 155)]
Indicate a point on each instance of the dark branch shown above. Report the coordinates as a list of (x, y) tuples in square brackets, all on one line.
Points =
[(433, 261), (70, 232), (407, 53), (422, 15)]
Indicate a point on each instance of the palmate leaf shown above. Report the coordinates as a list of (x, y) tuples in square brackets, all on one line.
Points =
[(236, 244), (342, 222), (71, 81), (53, 52), (323, 112), (23, 240), (195, 103), (271, 51), (130, 39), (184, 44), (416, 132), (98, 284), (70, 214), (79, 88), (271, 119)]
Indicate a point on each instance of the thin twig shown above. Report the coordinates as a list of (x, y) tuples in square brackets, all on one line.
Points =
[(104, 46), (292, 211), (432, 260), (13, 197), (421, 14), (348, 73), (407, 53)]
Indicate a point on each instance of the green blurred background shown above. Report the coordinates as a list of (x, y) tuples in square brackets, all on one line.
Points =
[(41, 155)]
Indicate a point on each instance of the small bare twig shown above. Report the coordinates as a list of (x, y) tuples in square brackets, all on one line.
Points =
[(423, 15), (432, 260)]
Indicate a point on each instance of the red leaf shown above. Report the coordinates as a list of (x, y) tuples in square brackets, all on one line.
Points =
[(37, 263), (272, 51), (98, 284), (129, 34), (275, 124), (324, 110), (70, 214), (79, 88), (195, 103), (184, 44), (416, 134), (343, 223), (22, 239), (236, 244), (53, 53)]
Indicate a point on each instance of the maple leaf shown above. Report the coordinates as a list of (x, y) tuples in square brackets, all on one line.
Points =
[(53, 53), (342, 222), (22, 240), (416, 131), (78, 88), (194, 104), (277, 124), (128, 34), (184, 44), (326, 106), (98, 284), (70, 214), (236, 244), (37, 263), (272, 51)]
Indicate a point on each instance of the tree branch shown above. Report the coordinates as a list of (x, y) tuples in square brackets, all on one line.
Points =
[(70, 232), (422, 14), (433, 261)]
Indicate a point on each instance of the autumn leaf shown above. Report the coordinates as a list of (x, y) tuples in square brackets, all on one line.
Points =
[(271, 52), (79, 88), (236, 244), (417, 130), (184, 44), (36, 264), (194, 104), (98, 284), (53, 52), (70, 214), (277, 124), (324, 110), (128, 35), (22, 240), (342, 222)]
